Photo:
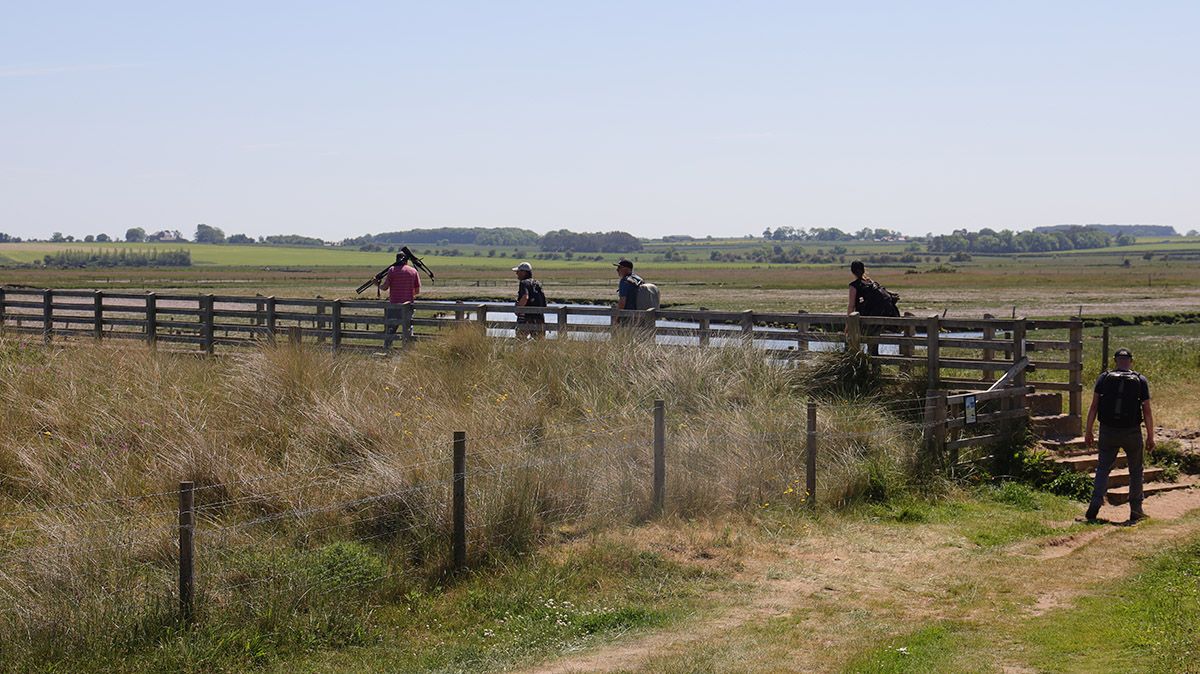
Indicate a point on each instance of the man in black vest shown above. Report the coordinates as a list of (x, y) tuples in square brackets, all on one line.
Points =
[(1121, 400)]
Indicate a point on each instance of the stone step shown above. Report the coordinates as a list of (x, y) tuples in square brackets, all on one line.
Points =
[(1120, 495), (1055, 425), (1120, 478), (1083, 463), (1044, 403)]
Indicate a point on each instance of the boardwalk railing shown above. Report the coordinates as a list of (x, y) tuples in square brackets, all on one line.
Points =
[(956, 353)]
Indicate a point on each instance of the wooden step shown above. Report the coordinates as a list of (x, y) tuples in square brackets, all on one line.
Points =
[(1120, 477), (1055, 425), (1065, 445), (1044, 403), (1083, 463), (1120, 495)]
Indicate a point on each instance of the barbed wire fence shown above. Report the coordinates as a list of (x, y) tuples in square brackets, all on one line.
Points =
[(295, 537)]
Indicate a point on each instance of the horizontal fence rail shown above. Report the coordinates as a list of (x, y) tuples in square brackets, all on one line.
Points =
[(955, 353)]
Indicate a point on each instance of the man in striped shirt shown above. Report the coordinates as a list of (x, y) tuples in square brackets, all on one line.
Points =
[(403, 285)]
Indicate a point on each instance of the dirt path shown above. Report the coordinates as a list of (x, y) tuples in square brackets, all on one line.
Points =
[(907, 576)]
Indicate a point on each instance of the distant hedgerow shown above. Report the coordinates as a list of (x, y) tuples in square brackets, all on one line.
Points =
[(119, 258)]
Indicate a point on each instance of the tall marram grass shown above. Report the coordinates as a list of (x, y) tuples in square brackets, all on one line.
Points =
[(323, 481)]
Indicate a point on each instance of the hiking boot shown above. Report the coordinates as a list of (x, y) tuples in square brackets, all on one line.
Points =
[(1091, 514), (1137, 515)]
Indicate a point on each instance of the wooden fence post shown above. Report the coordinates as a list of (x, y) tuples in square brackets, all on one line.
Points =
[(932, 337), (319, 323), (563, 315), (187, 551), (1075, 407), (481, 312), (853, 332), (271, 319), (336, 318), (801, 339), (810, 463), (935, 424), (98, 304), (1018, 339), (989, 333), (152, 320), (1, 310), (660, 452), (206, 306), (705, 331), (748, 326), (47, 315), (460, 500), (1104, 350), (459, 313), (906, 348)]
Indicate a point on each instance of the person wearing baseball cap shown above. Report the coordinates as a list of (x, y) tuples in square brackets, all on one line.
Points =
[(529, 294), (627, 289), (1121, 401)]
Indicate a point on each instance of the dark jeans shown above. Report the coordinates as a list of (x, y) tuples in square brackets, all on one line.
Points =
[(1113, 439), (394, 314)]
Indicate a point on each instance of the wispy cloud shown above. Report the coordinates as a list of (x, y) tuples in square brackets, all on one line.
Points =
[(35, 71)]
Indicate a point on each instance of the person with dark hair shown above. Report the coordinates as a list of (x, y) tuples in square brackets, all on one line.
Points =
[(858, 288), (1121, 400), (403, 285), (529, 294)]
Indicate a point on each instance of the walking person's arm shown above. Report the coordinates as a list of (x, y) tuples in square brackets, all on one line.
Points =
[(1148, 417), (1088, 438)]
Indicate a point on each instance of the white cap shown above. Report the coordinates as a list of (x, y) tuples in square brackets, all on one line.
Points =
[(524, 266)]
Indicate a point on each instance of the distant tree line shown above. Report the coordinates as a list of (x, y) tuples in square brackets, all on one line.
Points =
[(5, 238), (560, 241), (1117, 230), (830, 234), (479, 236), (1006, 241), (119, 258)]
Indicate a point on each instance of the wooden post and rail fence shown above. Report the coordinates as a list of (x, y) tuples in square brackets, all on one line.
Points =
[(960, 356)]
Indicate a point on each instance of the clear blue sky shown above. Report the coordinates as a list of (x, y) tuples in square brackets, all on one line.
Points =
[(339, 119)]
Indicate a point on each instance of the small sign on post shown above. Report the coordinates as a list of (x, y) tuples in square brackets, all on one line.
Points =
[(969, 408)]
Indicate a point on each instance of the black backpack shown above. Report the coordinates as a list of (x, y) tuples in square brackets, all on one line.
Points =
[(1120, 398), (875, 300), (537, 298)]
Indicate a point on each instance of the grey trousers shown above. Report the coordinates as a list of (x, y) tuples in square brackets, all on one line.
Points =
[(1113, 439)]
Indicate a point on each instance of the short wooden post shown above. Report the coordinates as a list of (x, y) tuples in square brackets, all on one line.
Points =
[(906, 347), (481, 317), (336, 319), (563, 316), (933, 357), (748, 326), (460, 500), (660, 461), (1019, 348), (989, 354), (705, 330), (271, 319), (1104, 351), (319, 323), (801, 335), (810, 463), (259, 307), (1075, 406), (406, 326), (939, 428), (459, 312), (1, 310), (853, 332), (98, 304), (47, 315), (187, 551), (152, 320), (206, 305)]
